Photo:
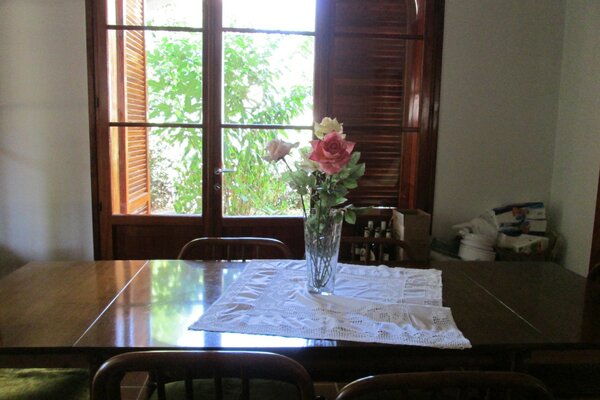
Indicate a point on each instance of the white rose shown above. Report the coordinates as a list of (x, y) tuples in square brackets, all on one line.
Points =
[(328, 125), (277, 149)]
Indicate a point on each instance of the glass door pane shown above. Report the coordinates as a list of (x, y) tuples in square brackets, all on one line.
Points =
[(285, 15), (254, 187), (267, 93), (155, 82), (176, 170), (174, 77), (268, 78)]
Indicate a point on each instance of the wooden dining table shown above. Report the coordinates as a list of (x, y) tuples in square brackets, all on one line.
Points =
[(81, 313)]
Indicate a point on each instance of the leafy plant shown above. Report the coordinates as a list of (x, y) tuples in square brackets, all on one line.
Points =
[(252, 95)]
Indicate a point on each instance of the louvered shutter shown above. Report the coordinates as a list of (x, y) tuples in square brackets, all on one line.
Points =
[(372, 84), (133, 145)]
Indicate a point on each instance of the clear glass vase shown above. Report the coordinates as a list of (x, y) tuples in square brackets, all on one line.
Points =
[(322, 232)]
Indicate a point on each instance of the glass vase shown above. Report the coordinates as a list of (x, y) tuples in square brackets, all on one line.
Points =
[(322, 232)]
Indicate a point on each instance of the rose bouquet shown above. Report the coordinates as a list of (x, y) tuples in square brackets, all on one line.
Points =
[(322, 177)]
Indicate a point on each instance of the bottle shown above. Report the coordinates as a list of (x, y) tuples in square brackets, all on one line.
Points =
[(363, 254), (358, 253), (366, 249), (370, 226), (377, 248), (388, 249)]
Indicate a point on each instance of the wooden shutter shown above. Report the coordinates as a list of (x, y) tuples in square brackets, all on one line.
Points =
[(373, 72), (134, 175)]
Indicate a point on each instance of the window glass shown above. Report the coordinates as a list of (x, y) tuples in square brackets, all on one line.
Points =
[(174, 70), (175, 160), (173, 13), (287, 15), (268, 78), (254, 186), (180, 13)]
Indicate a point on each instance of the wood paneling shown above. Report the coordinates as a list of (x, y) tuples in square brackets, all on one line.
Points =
[(133, 150), (388, 17), (377, 86), (161, 237), (161, 241)]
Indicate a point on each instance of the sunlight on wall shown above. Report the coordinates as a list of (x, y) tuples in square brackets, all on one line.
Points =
[(45, 201)]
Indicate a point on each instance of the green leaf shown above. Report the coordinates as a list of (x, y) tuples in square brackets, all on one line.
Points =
[(354, 158), (340, 200), (358, 171), (350, 216), (350, 184)]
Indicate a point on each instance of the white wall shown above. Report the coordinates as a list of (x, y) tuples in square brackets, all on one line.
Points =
[(499, 96), (577, 154), (45, 200)]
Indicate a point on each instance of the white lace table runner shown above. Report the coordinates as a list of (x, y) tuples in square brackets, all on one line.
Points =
[(371, 304)]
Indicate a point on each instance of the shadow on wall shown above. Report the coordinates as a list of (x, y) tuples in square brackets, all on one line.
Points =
[(9, 261)]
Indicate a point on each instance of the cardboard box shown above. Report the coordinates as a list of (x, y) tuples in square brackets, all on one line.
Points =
[(421, 250), (526, 244), (518, 212), (519, 217), (412, 226)]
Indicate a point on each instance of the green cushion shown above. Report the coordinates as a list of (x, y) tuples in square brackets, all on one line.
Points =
[(44, 384), (232, 388)]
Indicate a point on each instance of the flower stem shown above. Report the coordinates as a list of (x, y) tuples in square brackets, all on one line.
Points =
[(292, 175)]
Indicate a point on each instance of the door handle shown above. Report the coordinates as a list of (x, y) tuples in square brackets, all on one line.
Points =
[(220, 171)]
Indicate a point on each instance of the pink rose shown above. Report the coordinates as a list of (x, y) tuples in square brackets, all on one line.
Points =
[(332, 152), (277, 149)]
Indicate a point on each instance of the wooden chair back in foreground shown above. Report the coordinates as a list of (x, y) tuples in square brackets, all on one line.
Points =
[(447, 385), (234, 248), (373, 250), (225, 374)]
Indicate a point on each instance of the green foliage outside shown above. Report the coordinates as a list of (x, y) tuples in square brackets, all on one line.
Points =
[(253, 94)]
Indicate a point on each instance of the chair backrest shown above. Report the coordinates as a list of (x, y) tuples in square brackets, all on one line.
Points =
[(448, 384), (370, 250), (186, 366), (234, 248)]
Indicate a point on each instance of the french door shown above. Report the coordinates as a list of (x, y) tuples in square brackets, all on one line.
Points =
[(185, 94)]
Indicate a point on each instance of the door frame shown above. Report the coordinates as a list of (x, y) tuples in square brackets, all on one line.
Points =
[(109, 228)]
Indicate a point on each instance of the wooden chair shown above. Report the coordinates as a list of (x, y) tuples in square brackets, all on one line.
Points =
[(447, 385), (353, 247), (180, 374), (234, 248)]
